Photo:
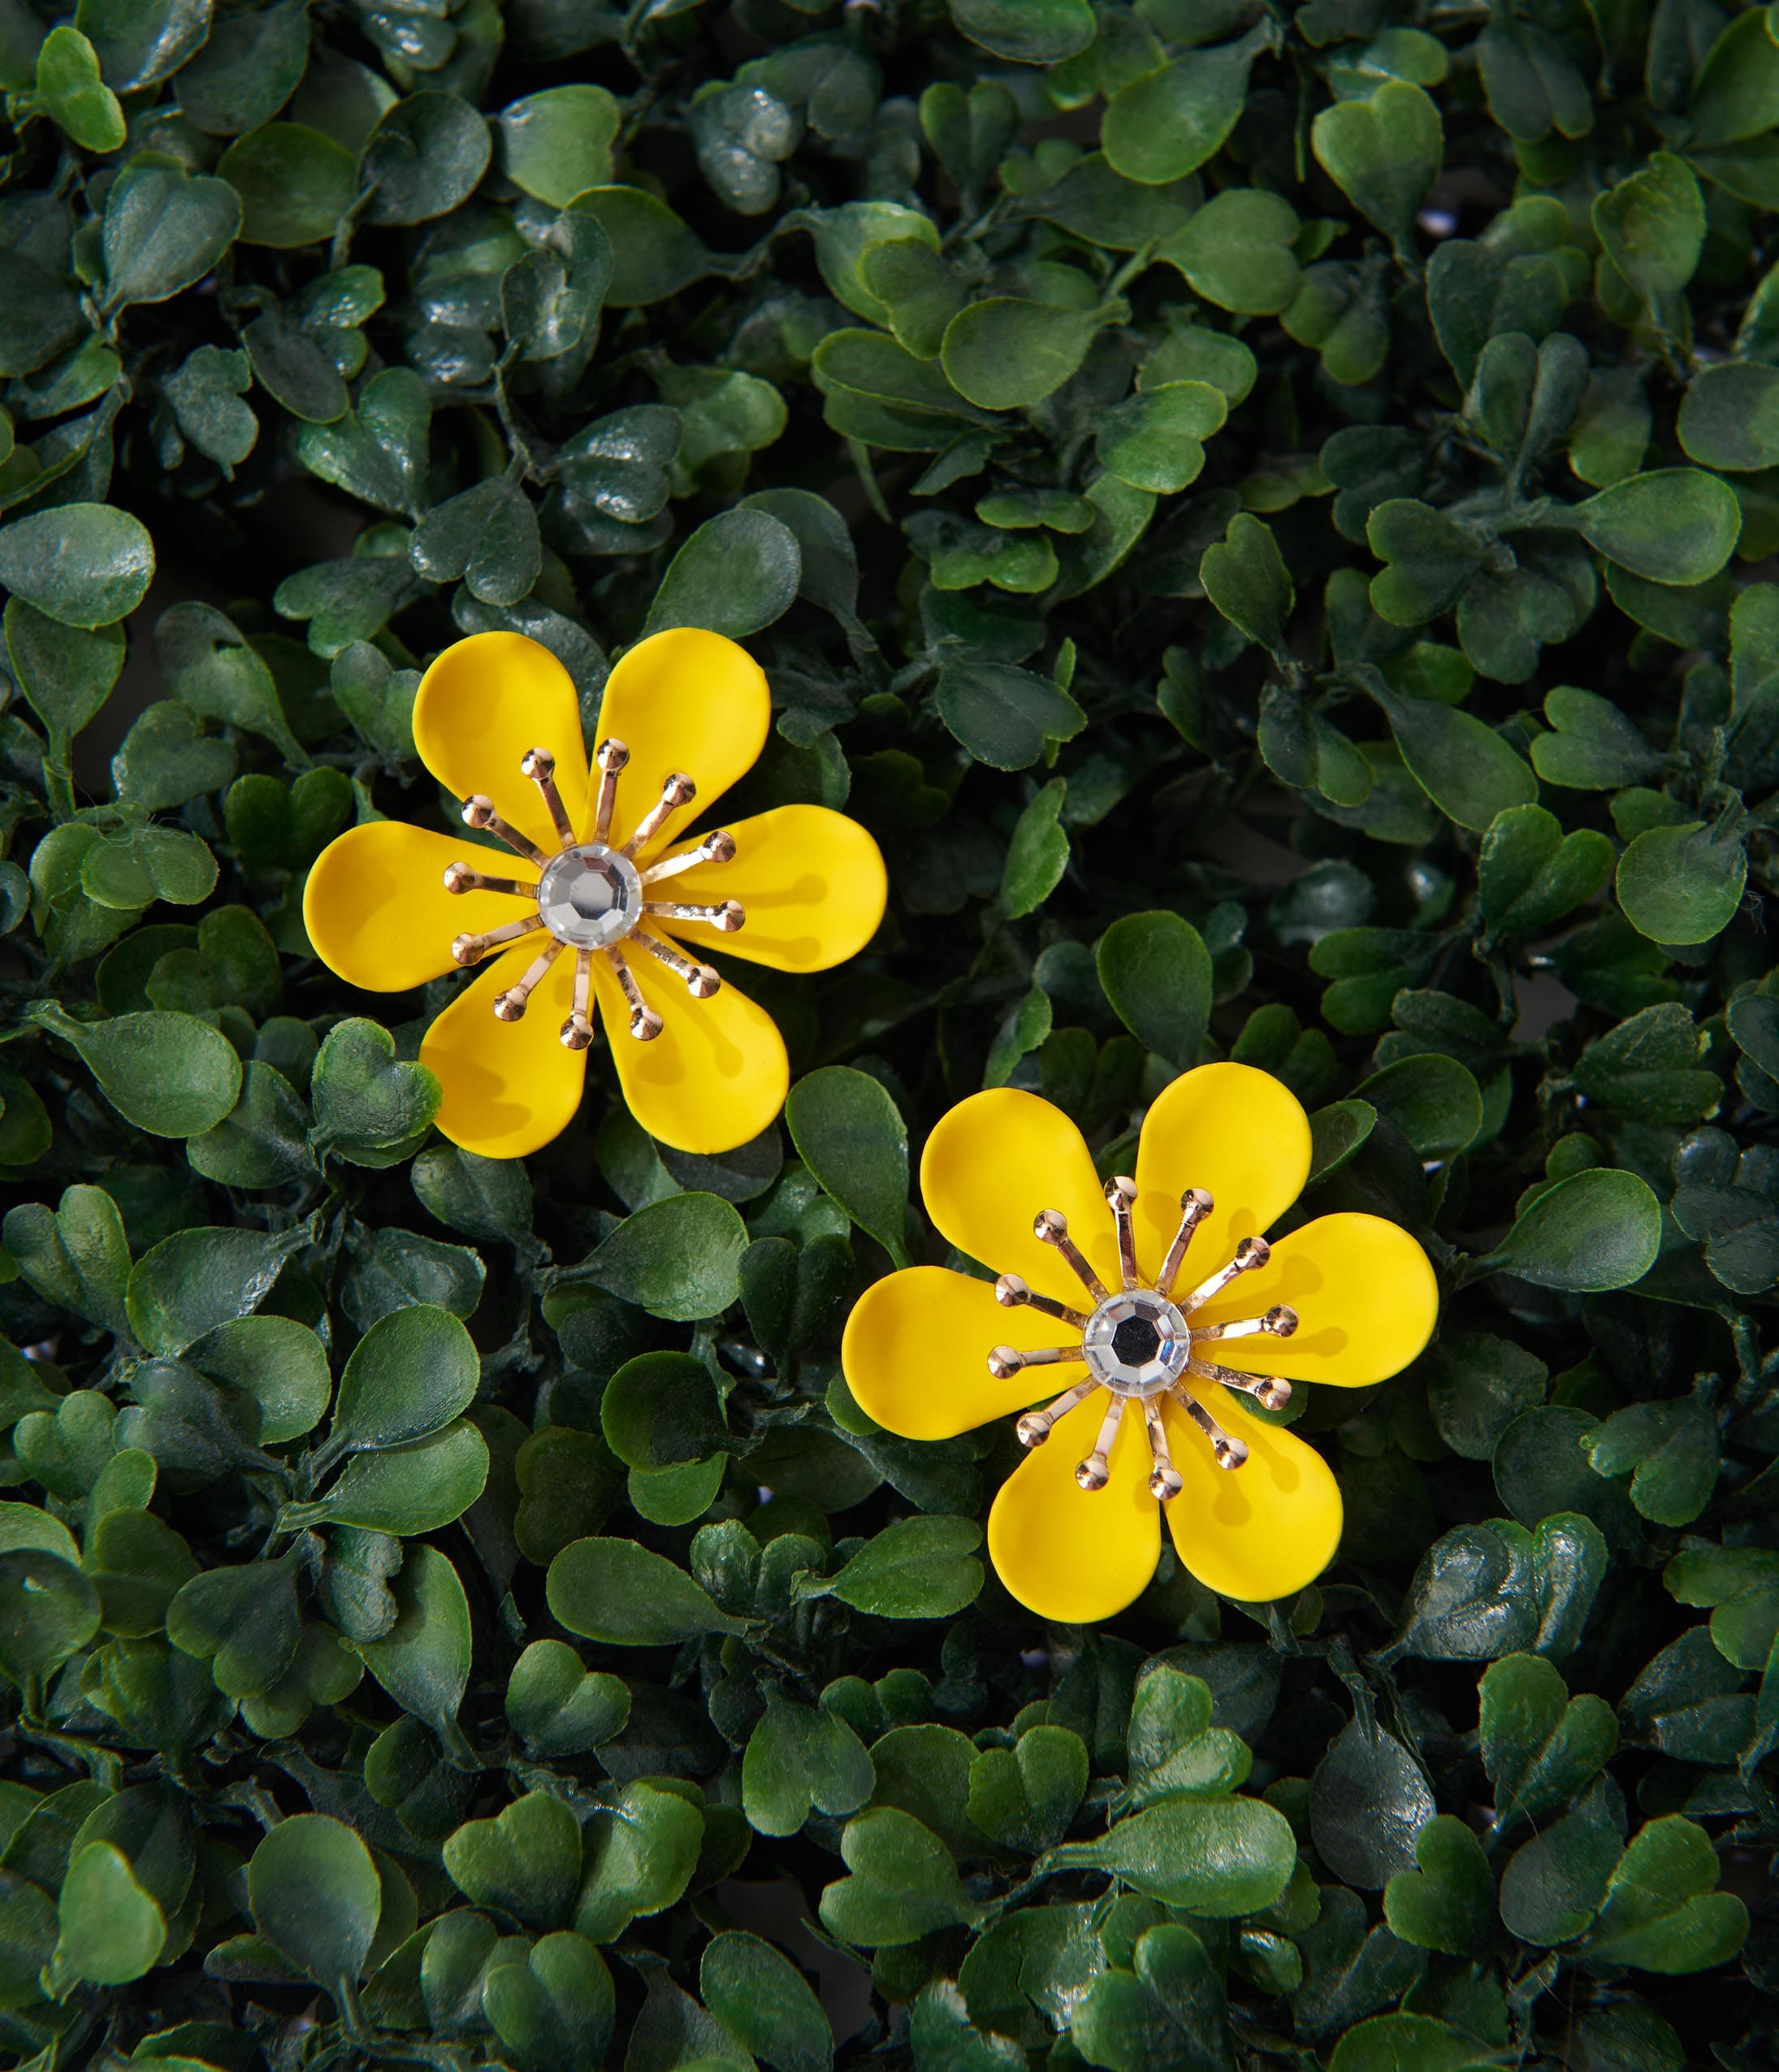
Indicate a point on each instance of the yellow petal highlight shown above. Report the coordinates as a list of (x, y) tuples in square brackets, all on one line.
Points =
[(1365, 1298), (916, 1353), (482, 704), (716, 1074), (377, 910), (1240, 1134), (1071, 1555), (812, 883), (991, 1163), (685, 700), (1260, 1531), (509, 1086)]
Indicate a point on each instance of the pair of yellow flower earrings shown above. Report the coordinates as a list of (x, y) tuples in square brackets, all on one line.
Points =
[(1157, 1294)]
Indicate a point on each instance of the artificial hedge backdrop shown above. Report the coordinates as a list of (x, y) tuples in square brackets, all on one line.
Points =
[(1267, 515)]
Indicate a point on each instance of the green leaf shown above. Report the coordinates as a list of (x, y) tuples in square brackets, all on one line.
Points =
[(1175, 1752), (800, 1757), (765, 2003), (641, 1853), (425, 155), (1652, 228), (1684, 883), (487, 536), (1026, 31), (678, 1258), (1541, 1747), (1670, 1449), (66, 672), (163, 230), (619, 1592), (917, 1568), (1592, 1232), (1166, 124), (418, 1487), (1037, 856), (200, 1279), (1155, 440), (1237, 251), (422, 1660), (214, 672), (554, 2006), (295, 184), (1006, 717), (1529, 873), (169, 1074), (1245, 577), (1446, 1903), (526, 1862), (1662, 1911), (1382, 153), (1168, 2010), (851, 1135), (81, 565), (1215, 1857), (557, 144), (378, 451), (1466, 767), (654, 253), (558, 1707), (1024, 1798), (371, 1108), (662, 1410), (1674, 526), (1730, 416), (1435, 1101), (1483, 1590), (111, 1929), (412, 1373), (1405, 2043), (244, 1621), (736, 574), (48, 1611), (68, 81), (902, 1885), (1157, 973), (316, 1896), (1005, 353)]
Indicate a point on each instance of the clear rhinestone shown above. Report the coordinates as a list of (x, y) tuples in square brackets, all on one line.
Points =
[(589, 897), (1137, 1343)]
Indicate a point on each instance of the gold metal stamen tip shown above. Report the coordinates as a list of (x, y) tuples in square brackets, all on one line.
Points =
[(509, 1006), (679, 789), (538, 764), (720, 846), (1228, 1453), (1010, 1291), (1280, 1321), (704, 983), (729, 916), (1034, 1429), (1197, 1202), (1120, 1192), (1166, 1482), (459, 878), (576, 1033), (1274, 1392), (1252, 1252), (611, 756), (478, 809), (1004, 1362), (466, 949), (1050, 1226), (645, 1024), (1093, 1473)]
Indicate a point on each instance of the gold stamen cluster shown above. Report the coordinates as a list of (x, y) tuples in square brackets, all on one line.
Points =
[(1140, 1344), (622, 886)]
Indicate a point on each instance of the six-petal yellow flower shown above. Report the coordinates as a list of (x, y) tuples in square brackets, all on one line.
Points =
[(596, 914), (1172, 1304)]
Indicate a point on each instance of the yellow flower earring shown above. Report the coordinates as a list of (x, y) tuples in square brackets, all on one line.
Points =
[(610, 916), (1160, 1356)]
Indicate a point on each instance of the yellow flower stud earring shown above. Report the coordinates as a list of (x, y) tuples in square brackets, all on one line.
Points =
[(1160, 1299), (599, 911)]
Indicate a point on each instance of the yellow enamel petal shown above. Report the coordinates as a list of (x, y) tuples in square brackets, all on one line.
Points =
[(1365, 1298), (377, 910), (1071, 1555), (716, 1074), (812, 883), (991, 1163), (1260, 1531), (1240, 1134), (685, 700), (509, 1086), (916, 1353), (482, 704)]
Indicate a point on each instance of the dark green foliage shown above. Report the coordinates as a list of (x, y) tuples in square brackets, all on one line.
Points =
[(1267, 513)]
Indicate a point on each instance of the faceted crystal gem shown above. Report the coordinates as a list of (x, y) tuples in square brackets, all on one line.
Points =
[(1137, 1343), (589, 897)]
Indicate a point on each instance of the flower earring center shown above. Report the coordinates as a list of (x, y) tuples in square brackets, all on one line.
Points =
[(590, 896), (1139, 1344)]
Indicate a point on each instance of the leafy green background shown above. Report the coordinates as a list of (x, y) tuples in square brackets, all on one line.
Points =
[(1268, 516)]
